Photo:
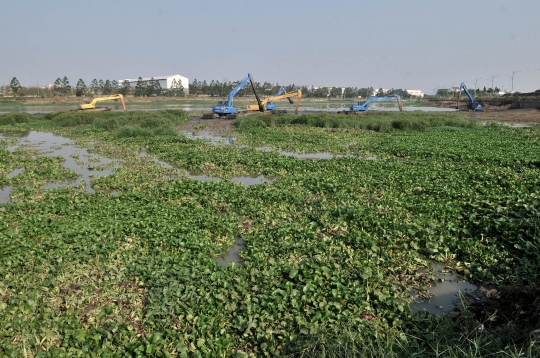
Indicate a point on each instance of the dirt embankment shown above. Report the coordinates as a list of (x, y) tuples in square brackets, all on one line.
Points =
[(529, 116)]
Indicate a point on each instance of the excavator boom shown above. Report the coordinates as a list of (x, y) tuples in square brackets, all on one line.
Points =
[(363, 106), (473, 105), (266, 101), (92, 105)]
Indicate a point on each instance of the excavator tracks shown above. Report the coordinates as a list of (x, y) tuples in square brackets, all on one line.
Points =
[(217, 116)]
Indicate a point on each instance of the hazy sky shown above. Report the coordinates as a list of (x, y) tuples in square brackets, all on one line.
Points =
[(417, 44)]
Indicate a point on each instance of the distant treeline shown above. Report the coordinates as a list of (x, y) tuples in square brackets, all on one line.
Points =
[(62, 87), (216, 88)]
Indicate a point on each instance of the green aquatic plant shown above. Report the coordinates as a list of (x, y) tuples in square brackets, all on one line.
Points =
[(333, 248)]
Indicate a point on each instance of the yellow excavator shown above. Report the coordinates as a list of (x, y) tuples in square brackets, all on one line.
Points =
[(92, 105), (268, 105)]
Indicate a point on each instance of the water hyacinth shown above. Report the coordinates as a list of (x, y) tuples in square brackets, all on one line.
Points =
[(332, 248)]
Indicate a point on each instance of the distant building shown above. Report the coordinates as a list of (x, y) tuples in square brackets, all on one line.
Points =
[(164, 81), (415, 93)]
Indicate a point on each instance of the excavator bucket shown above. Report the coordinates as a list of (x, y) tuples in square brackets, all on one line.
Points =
[(298, 101)]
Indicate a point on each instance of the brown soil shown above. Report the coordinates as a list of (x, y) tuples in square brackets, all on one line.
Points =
[(529, 116), (216, 126), (493, 308)]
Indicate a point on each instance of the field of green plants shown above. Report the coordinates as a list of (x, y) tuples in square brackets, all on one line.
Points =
[(333, 250)]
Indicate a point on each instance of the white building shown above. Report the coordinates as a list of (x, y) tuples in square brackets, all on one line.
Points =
[(164, 81), (415, 93)]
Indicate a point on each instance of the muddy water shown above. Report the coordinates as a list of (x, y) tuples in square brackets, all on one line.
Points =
[(217, 140), (4, 194), (16, 172), (202, 107), (246, 180), (208, 137), (446, 293), (252, 180), (233, 255), (85, 164)]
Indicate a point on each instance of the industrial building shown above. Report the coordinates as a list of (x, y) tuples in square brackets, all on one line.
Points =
[(165, 82), (415, 93)]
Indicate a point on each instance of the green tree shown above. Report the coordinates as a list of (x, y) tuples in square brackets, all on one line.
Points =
[(180, 89), (194, 87), (140, 88), (125, 89), (350, 92), (157, 87), (115, 86), (101, 86), (107, 87), (94, 87), (335, 92), (66, 87), (80, 89), (365, 92), (204, 87), (15, 86), (176, 88), (380, 93), (150, 87), (57, 87)]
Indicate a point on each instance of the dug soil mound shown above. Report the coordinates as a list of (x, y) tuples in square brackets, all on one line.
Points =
[(492, 308), (530, 116)]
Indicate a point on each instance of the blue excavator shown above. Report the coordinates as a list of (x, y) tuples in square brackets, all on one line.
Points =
[(473, 105), (363, 106), (271, 106), (226, 108)]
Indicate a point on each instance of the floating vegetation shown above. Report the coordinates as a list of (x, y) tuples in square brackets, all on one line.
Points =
[(329, 252)]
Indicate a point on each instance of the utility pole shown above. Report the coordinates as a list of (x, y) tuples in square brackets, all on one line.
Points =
[(475, 82), (512, 77)]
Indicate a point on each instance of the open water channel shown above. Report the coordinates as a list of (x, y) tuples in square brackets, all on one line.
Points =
[(308, 107)]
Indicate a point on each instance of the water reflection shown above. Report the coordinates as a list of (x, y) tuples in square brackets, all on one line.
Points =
[(233, 255), (252, 180), (205, 107), (445, 293), (85, 164), (5, 192), (16, 172)]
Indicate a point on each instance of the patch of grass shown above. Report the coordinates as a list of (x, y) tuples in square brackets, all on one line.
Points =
[(14, 118), (427, 336), (378, 121)]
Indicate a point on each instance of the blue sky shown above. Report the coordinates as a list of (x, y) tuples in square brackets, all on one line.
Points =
[(416, 44)]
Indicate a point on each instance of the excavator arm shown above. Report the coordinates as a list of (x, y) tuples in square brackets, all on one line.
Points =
[(363, 106), (473, 105), (92, 105), (288, 95)]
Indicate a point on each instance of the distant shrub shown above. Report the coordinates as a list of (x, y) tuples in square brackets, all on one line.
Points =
[(14, 118), (123, 124), (51, 115), (378, 121), (109, 124), (137, 131)]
